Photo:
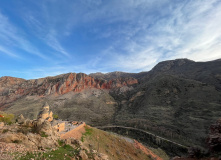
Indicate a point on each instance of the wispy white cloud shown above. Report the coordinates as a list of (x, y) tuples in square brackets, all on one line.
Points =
[(145, 33), (200, 31), (189, 29), (6, 51), (13, 37), (52, 41), (48, 28)]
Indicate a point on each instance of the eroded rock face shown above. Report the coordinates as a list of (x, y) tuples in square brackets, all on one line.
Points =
[(14, 88), (45, 113)]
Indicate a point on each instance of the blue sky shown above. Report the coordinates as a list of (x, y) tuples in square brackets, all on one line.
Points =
[(50, 37)]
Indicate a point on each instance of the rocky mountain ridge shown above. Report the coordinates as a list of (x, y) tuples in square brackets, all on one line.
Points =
[(177, 99), (117, 74), (205, 72), (12, 88)]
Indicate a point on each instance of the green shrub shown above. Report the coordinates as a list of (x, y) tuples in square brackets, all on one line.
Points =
[(55, 116), (87, 133), (5, 131), (64, 152), (8, 118), (43, 134), (60, 142), (82, 138)]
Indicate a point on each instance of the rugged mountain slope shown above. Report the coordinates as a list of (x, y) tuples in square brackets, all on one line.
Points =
[(175, 107), (205, 72), (178, 99), (94, 106), (73, 96), (12, 89)]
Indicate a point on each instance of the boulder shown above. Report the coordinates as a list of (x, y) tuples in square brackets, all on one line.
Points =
[(20, 119), (28, 123)]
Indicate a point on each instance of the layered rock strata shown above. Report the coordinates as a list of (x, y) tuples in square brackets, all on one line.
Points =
[(12, 89)]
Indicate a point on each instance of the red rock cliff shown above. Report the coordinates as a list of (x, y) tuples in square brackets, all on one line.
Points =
[(13, 88)]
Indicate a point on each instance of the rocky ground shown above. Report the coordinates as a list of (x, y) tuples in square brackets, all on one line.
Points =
[(20, 141), (36, 139), (7, 150)]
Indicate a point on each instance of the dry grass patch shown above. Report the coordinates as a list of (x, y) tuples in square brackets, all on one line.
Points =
[(112, 145)]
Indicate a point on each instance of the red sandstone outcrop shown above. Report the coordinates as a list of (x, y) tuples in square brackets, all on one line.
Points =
[(14, 88)]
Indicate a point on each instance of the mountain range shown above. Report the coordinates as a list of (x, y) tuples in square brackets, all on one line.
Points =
[(178, 99)]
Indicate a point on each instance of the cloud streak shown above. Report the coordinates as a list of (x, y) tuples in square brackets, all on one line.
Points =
[(52, 41), (46, 29), (187, 30), (12, 37), (6, 51)]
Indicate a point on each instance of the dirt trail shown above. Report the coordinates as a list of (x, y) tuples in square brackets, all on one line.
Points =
[(74, 133), (146, 150)]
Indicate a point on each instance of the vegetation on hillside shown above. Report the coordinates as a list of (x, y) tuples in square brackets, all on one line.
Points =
[(55, 116), (7, 118), (112, 145), (97, 142), (64, 151)]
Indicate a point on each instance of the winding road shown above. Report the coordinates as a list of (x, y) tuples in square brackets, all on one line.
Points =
[(135, 129)]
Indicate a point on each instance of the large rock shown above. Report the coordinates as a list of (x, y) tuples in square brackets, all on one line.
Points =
[(45, 113), (21, 119), (28, 123), (43, 126)]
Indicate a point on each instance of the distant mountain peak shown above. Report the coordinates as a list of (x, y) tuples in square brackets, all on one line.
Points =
[(167, 65)]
